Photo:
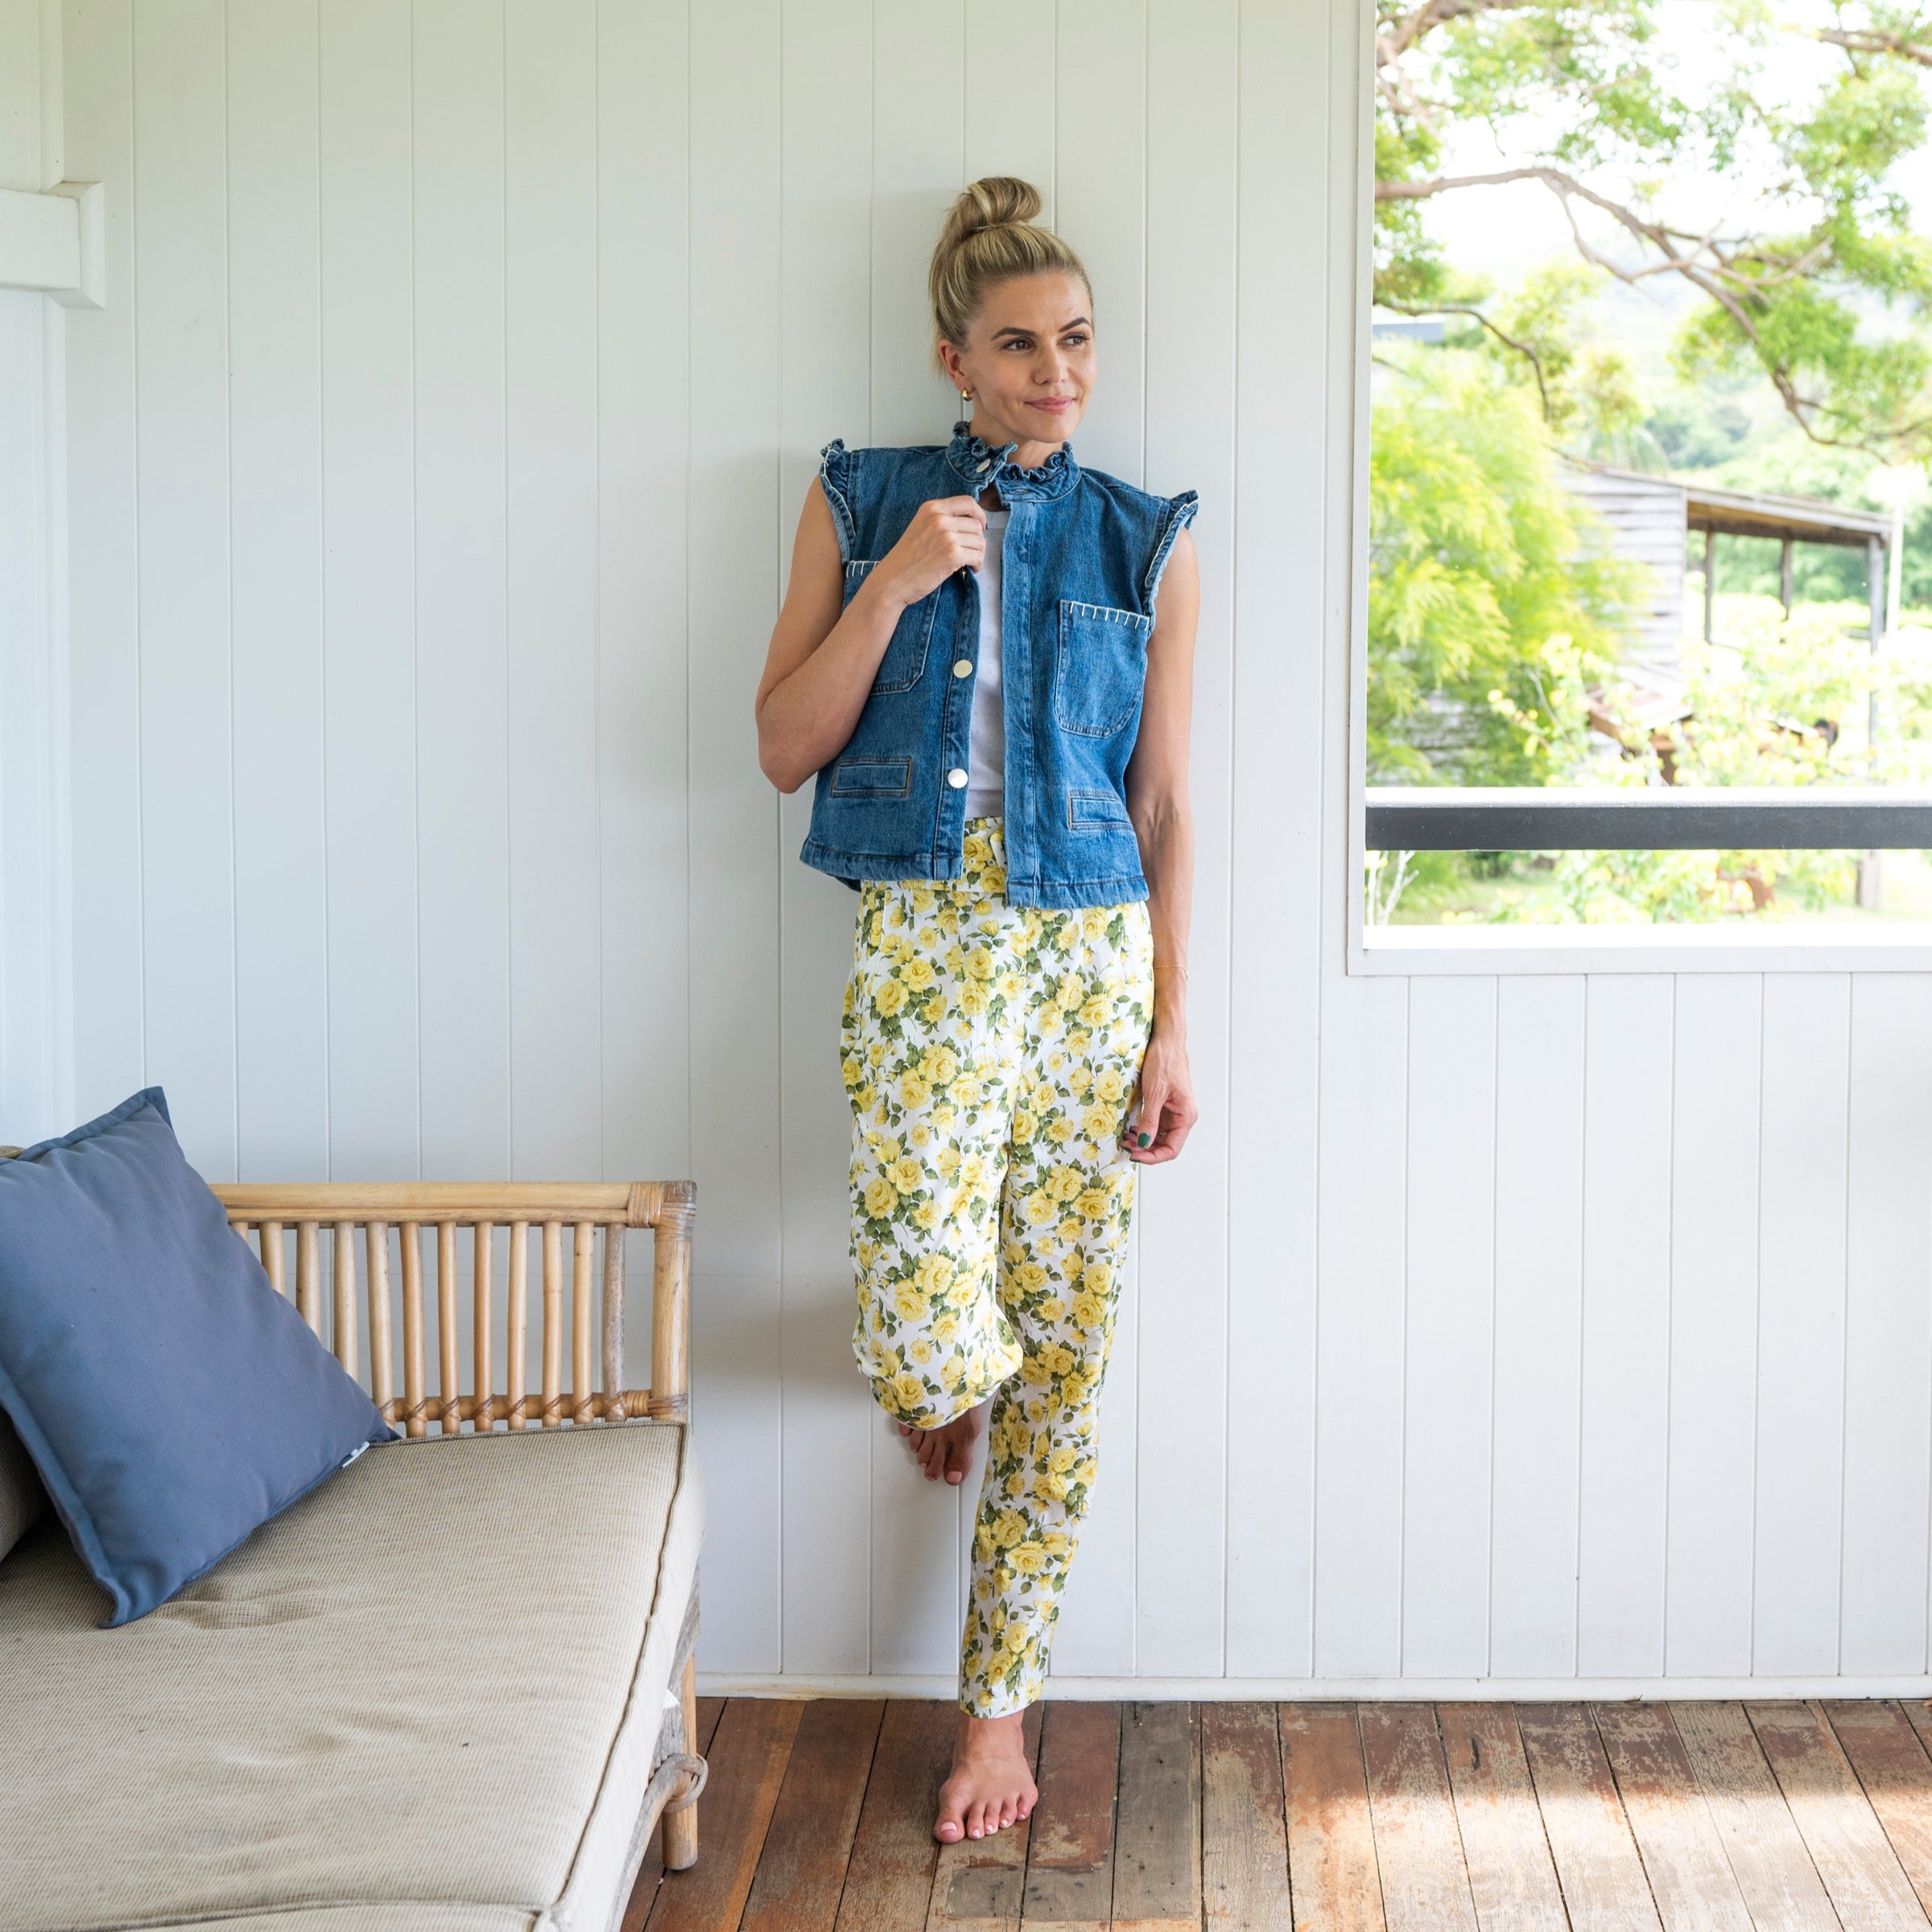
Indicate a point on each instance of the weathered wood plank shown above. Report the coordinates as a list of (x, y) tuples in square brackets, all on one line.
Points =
[(1418, 1847), (1596, 1859), (888, 1878), (801, 1873), (978, 1883), (1780, 1884), (748, 1752), (1511, 1877), (1691, 1882), (1849, 1846), (1244, 1823), (1070, 1844), (1157, 1859), (1332, 1863), (1892, 1765)]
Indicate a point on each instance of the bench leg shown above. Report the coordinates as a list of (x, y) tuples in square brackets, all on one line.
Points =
[(681, 1827)]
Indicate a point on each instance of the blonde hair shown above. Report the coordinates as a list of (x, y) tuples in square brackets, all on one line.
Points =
[(989, 236)]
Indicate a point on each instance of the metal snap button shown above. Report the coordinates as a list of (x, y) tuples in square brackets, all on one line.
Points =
[(987, 464), (963, 668), (955, 779)]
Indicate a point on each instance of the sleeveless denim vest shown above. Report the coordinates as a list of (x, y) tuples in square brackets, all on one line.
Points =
[(1082, 559)]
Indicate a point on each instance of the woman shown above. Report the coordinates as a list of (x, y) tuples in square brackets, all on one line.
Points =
[(985, 656)]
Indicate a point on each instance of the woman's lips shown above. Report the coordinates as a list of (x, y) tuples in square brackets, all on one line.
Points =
[(1054, 404)]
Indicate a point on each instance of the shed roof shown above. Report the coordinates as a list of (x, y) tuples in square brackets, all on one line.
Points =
[(1740, 512)]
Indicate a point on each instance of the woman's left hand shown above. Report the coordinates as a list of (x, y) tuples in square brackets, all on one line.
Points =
[(1166, 1113)]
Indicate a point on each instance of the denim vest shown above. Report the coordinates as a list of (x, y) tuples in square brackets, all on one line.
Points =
[(1082, 558)]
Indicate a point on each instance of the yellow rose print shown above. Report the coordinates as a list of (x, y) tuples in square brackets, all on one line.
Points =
[(987, 1052)]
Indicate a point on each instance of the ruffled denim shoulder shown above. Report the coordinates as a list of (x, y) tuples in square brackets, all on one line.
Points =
[(838, 478)]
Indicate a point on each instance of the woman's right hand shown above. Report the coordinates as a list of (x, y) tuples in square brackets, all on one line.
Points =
[(945, 534)]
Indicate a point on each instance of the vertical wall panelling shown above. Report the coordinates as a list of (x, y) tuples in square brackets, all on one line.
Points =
[(551, 532), (104, 644), (1447, 1326), (735, 1040), (1098, 203), (1358, 1522), (275, 449), (462, 570), (1539, 1289), (1624, 1436), (918, 132), (1713, 1322), (432, 473), (187, 826), (1193, 62), (1888, 1315), (1800, 1334), (1281, 518), (369, 589), (831, 1421), (1011, 95), (642, 112), (1100, 182), (36, 965)]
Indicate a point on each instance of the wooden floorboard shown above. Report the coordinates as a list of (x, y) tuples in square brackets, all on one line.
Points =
[(889, 1880), (1866, 1884), (1781, 1885), (1605, 1889), (1692, 1881), (1157, 1857), (1418, 1845), (1776, 1816), (1244, 1820), (1070, 1841), (1895, 1775), (801, 1874), (1333, 1880), (1511, 1877)]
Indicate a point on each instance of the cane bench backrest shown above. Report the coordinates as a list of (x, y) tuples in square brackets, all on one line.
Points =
[(570, 1221)]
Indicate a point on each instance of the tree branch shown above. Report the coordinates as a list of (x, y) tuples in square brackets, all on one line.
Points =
[(1462, 308), (1874, 42)]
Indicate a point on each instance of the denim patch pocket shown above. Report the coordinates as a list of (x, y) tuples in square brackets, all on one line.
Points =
[(862, 777), (1091, 809), (904, 662), (1101, 668)]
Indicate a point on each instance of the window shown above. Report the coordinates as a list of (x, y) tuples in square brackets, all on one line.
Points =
[(1650, 622)]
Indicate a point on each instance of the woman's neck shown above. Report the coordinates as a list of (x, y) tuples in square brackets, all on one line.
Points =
[(1030, 454)]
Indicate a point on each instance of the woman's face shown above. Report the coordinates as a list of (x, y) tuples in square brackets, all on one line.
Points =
[(1029, 360)]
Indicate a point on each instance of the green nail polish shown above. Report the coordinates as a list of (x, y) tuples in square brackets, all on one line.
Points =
[(1144, 1139)]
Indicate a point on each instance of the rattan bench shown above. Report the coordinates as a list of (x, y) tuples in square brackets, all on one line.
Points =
[(577, 1388)]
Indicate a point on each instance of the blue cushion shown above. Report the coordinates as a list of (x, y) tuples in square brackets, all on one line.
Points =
[(171, 1400)]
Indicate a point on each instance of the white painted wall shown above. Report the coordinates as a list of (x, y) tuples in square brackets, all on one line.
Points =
[(432, 482), (36, 1033)]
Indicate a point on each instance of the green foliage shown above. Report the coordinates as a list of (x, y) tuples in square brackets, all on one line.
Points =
[(1825, 295), (1485, 605)]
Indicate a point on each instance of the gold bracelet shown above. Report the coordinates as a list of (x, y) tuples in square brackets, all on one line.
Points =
[(1170, 966)]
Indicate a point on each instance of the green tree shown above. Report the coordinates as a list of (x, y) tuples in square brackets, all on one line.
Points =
[(1488, 608), (1579, 90)]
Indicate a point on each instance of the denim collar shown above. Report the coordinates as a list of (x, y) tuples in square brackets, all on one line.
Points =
[(979, 463)]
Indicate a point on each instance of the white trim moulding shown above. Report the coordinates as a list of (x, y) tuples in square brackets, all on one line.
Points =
[(56, 242)]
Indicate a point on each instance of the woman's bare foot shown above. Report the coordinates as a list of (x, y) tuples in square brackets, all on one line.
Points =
[(990, 1787), (946, 1451)]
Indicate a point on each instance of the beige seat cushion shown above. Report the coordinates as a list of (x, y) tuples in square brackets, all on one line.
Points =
[(423, 1699)]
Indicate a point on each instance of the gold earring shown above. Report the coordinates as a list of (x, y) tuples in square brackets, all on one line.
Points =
[(965, 395)]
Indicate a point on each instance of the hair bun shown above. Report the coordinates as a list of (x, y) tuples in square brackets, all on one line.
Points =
[(996, 201)]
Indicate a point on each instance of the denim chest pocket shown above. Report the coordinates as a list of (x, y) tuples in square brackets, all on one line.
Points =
[(904, 662), (1101, 669)]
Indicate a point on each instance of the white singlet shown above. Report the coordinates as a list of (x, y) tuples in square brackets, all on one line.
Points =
[(986, 746)]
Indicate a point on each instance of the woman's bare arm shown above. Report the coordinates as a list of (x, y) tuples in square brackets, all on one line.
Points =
[(825, 653), (1157, 801)]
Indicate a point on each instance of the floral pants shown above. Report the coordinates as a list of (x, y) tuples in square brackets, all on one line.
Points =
[(990, 1053)]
